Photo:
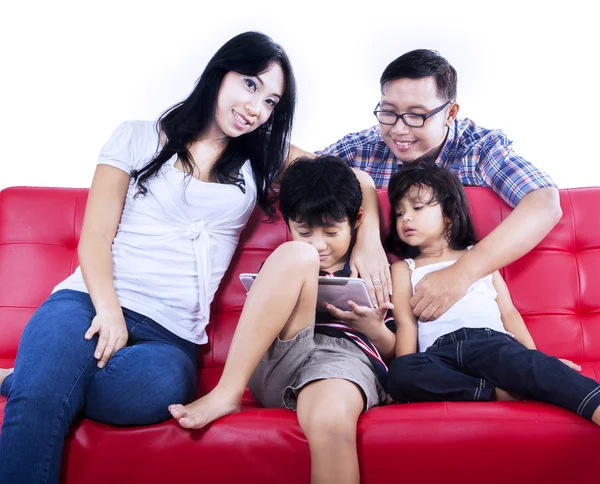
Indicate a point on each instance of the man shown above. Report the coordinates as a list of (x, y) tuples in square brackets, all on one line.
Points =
[(417, 116)]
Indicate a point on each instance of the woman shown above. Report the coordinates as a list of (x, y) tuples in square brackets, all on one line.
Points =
[(117, 341)]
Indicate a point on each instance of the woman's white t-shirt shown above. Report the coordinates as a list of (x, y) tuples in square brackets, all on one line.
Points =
[(173, 244)]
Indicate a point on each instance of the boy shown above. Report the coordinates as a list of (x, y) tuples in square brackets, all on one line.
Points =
[(291, 356)]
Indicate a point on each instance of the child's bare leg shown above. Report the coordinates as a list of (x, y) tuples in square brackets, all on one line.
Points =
[(503, 395), (596, 416), (281, 302), (328, 412), (4, 373)]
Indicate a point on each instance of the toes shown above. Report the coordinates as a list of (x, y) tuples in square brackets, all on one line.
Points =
[(192, 422), (187, 423), (177, 411)]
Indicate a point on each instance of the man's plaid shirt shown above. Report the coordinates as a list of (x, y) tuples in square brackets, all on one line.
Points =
[(478, 156)]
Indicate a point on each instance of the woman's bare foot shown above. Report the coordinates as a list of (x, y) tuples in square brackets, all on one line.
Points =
[(203, 411), (4, 373), (504, 396)]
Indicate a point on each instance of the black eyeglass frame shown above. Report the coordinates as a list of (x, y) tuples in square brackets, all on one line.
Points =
[(424, 117)]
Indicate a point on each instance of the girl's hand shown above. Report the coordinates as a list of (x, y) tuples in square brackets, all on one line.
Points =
[(112, 335), (570, 364), (368, 321)]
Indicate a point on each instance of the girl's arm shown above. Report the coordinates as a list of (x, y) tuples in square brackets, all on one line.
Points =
[(102, 214), (406, 322), (511, 319)]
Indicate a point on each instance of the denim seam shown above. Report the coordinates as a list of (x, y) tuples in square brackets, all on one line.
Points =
[(116, 364), (459, 355), (478, 390), (587, 400), (60, 417)]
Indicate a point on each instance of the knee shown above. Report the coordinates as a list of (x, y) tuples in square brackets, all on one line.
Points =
[(297, 257), (335, 424), (142, 399), (400, 376)]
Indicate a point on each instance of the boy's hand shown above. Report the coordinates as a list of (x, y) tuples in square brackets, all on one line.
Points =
[(570, 364), (368, 321)]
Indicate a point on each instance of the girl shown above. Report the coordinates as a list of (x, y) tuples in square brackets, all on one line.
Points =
[(117, 341), (480, 349)]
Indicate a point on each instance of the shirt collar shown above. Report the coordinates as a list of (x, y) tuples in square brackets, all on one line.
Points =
[(345, 272)]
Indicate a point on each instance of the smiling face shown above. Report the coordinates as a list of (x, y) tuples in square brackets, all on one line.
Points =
[(418, 96), (331, 241), (419, 219), (245, 102)]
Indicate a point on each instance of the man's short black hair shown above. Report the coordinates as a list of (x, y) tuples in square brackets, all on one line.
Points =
[(421, 63), (319, 192)]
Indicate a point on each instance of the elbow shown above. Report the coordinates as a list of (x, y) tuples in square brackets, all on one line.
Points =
[(546, 203), (553, 206)]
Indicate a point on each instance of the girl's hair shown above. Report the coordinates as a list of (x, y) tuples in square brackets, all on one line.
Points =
[(446, 189), (249, 53)]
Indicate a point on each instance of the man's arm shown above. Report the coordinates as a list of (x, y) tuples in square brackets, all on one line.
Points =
[(521, 231)]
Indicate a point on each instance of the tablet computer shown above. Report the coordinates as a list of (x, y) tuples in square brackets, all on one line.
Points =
[(334, 290)]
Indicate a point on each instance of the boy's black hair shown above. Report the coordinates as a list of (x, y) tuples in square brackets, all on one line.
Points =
[(447, 190), (421, 63), (319, 192)]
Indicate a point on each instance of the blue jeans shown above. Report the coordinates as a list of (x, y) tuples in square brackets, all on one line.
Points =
[(56, 378), (468, 364)]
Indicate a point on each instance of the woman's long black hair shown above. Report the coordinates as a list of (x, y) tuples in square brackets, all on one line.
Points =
[(446, 189), (249, 53)]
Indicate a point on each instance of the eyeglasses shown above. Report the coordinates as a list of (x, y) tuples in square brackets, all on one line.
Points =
[(410, 119)]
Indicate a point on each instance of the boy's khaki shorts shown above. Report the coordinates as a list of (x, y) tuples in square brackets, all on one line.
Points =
[(287, 366)]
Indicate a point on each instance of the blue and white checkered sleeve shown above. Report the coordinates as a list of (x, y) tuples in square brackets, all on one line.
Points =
[(344, 148), (508, 174)]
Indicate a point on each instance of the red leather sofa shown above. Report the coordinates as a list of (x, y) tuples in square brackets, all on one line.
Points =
[(556, 287)]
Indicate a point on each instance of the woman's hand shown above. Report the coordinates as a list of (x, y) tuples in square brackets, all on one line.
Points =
[(112, 335), (370, 262)]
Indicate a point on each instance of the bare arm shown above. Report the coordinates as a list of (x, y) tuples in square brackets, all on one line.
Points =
[(513, 321), (406, 322), (511, 318), (296, 152), (102, 214), (521, 231), (369, 259)]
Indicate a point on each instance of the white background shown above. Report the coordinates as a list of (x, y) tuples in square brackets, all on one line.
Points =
[(72, 71)]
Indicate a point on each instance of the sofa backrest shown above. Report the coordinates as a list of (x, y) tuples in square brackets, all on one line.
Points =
[(556, 287)]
